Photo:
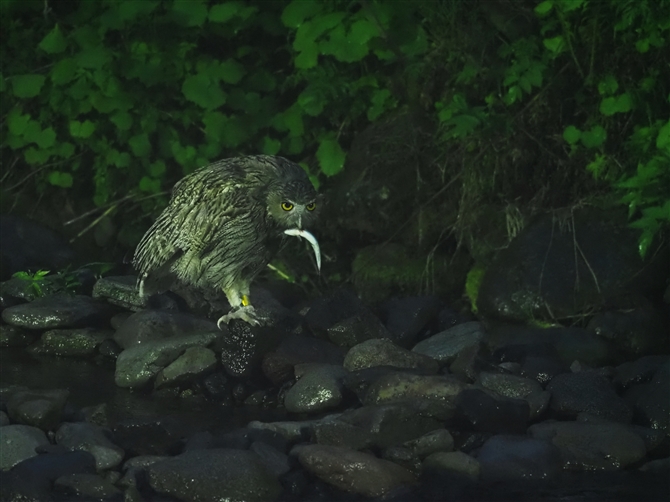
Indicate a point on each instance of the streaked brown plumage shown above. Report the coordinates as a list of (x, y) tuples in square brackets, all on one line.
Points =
[(223, 224)]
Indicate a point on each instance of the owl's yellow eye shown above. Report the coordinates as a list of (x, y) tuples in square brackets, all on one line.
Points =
[(286, 206), (311, 206)]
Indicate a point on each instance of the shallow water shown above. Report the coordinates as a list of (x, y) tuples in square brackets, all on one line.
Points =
[(91, 384)]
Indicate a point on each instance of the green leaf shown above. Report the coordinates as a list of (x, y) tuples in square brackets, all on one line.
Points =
[(60, 179), (150, 185), (311, 101), (622, 103), (543, 8), (571, 134), (93, 56), (47, 138), (230, 71), (65, 149), (307, 58), (122, 120), (157, 169), (81, 129), (194, 12), (17, 122), (555, 44), (64, 71), (27, 86), (215, 124), (36, 157), (663, 138), (297, 11), (200, 89), (608, 85), (140, 145), (293, 121), (223, 13), (330, 156), (53, 42), (569, 5), (270, 146), (594, 137)]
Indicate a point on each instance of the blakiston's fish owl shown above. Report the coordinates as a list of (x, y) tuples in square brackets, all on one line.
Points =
[(223, 224)]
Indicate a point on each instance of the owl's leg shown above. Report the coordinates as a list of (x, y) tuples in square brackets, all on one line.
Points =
[(240, 308)]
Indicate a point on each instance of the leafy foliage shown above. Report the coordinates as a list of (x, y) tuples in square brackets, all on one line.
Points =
[(543, 104)]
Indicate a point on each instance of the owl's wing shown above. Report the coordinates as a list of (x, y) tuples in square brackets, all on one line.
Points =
[(200, 204)]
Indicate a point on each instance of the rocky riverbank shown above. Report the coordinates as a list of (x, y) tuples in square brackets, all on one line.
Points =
[(412, 401)]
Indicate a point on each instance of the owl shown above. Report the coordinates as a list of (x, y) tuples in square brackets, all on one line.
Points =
[(223, 225)]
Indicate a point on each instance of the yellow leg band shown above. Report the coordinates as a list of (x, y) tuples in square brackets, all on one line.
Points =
[(245, 300)]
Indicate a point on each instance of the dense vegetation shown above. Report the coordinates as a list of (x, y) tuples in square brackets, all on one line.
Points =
[(536, 105)]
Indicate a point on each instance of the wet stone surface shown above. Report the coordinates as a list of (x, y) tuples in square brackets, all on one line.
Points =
[(104, 399)]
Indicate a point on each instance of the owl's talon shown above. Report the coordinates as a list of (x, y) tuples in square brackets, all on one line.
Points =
[(246, 314)]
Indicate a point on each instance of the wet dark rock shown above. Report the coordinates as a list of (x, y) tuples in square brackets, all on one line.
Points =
[(353, 471), (356, 329), (587, 391), (324, 312), (216, 474), (39, 408), (457, 462), (19, 290), (406, 318), (439, 440), (18, 442), (119, 290), (335, 432), (633, 332), (59, 311), (448, 318), (275, 462), (359, 381), (87, 485), (538, 277), (467, 364), (639, 371), (503, 458), (404, 457), (32, 479), (660, 466), (13, 336), (78, 342), (296, 349), (652, 438), (82, 436), (154, 325), (28, 245), (290, 431), (386, 353), (650, 400), (479, 411), (4, 419), (109, 349), (393, 424), (569, 344), (193, 363), (243, 438), (137, 365), (445, 346), (587, 446), (318, 389), (149, 435), (542, 369), (439, 392), (243, 348), (517, 387)]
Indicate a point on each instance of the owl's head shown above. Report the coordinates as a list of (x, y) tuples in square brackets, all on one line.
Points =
[(293, 203)]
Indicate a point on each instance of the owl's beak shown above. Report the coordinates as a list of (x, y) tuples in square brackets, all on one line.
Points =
[(311, 239)]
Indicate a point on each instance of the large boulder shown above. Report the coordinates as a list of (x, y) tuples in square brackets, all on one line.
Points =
[(558, 268)]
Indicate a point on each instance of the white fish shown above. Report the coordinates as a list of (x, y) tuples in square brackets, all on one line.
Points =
[(311, 239)]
